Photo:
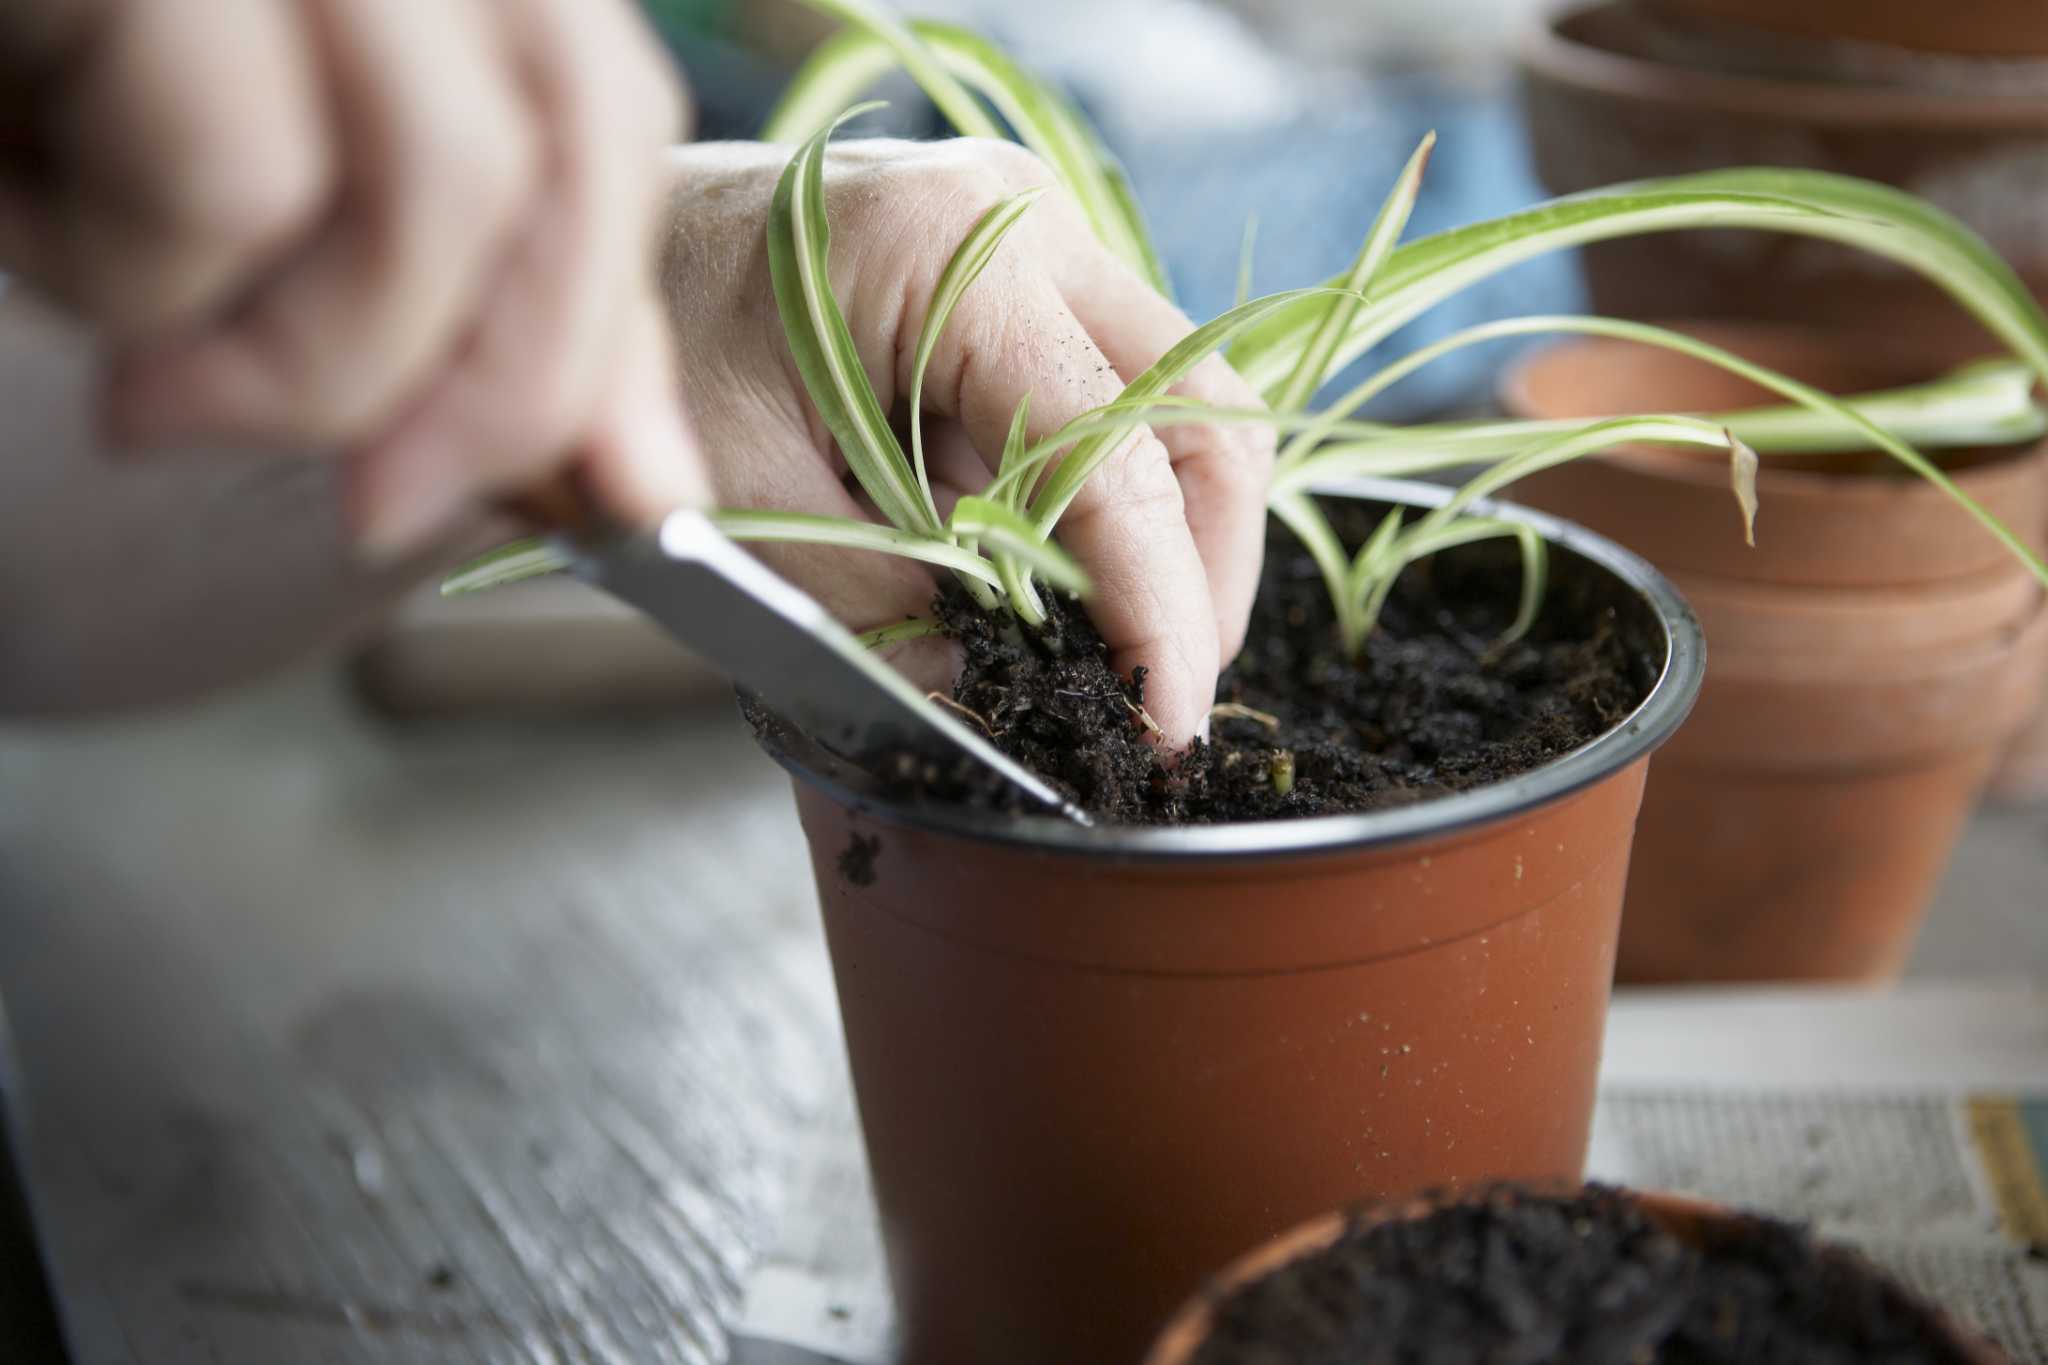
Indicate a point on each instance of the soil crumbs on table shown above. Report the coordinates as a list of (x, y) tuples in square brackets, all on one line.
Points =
[(1585, 1280), (1437, 703)]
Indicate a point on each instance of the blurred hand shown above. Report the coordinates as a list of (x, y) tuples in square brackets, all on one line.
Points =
[(417, 231), (1171, 530)]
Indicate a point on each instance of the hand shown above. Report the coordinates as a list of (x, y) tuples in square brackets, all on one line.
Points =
[(417, 231), (1171, 530)]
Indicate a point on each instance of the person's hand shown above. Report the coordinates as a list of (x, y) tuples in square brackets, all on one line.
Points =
[(414, 231), (1171, 530)]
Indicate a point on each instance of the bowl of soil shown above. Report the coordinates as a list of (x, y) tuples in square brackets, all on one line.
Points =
[(1356, 945), (1595, 1277)]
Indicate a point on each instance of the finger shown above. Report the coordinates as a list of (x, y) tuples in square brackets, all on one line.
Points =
[(861, 590), (1223, 470), (641, 459), (194, 153), (1128, 527), (955, 466), (438, 163), (577, 288)]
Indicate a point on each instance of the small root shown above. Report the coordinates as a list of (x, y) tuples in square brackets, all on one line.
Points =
[(1144, 716), (1236, 710), (970, 713)]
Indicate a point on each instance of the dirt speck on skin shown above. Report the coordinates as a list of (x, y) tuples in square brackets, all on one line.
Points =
[(857, 859), (1436, 704)]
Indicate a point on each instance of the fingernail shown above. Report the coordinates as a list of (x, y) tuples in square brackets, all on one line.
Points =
[(420, 500)]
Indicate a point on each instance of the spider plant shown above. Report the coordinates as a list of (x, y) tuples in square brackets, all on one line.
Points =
[(999, 543), (1290, 345)]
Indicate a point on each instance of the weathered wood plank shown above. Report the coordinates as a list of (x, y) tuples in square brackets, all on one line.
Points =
[(475, 1042)]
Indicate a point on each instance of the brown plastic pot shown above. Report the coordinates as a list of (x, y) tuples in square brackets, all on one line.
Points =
[(1690, 1220), (1091, 1063), (1600, 113), (1872, 656)]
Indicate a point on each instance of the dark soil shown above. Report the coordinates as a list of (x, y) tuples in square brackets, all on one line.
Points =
[(1586, 1280), (1436, 705)]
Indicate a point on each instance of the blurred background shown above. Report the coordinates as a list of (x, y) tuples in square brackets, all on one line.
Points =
[(514, 857)]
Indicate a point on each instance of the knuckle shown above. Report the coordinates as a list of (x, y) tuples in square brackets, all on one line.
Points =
[(247, 201), (1013, 166), (478, 176), (1138, 486)]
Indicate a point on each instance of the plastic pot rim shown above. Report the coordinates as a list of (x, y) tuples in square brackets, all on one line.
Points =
[(1662, 710)]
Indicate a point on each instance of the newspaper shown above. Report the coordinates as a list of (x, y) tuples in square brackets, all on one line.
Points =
[(1912, 1123)]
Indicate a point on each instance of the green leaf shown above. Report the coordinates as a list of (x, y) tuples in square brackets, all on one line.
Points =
[(1245, 246), (1984, 404), (1988, 403), (1156, 411), (848, 534), (799, 250), (916, 628), (968, 261), (906, 47), (1007, 489), (1371, 560), (1313, 364), (1318, 467), (1073, 472), (1886, 222), (1301, 516), (509, 563), (951, 61), (1423, 542), (1011, 535), (1596, 436), (839, 70)]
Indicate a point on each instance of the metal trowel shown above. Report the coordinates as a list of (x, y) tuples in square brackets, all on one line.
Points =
[(778, 643)]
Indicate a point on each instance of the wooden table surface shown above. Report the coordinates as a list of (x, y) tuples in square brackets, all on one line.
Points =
[(479, 1042)]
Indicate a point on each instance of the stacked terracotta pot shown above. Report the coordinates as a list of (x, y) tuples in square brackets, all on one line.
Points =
[(2022, 776), (1868, 661), (1619, 90), (1949, 101)]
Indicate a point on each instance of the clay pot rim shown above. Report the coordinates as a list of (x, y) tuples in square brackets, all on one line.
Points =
[(1682, 1215), (1548, 51), (1661, 712)]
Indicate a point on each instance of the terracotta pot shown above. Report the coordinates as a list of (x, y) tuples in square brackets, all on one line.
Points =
[(1092, 1063), (1599, 114), (1690, 1220), (2022, 775), (1871, 658), (1987, 28), (1816, 528)]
